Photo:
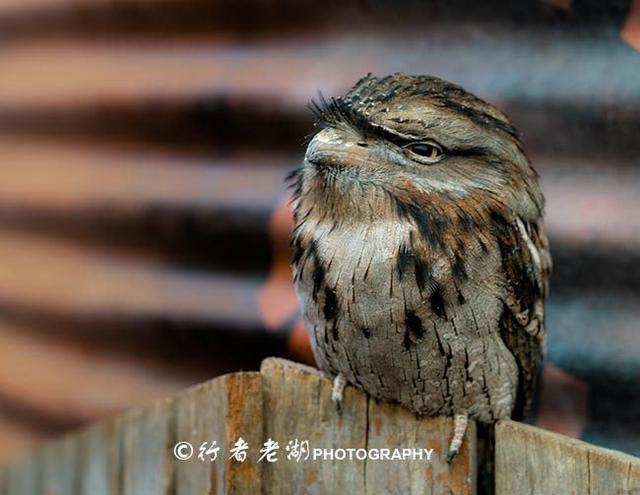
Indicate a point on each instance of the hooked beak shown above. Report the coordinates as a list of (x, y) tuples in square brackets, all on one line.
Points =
[(335, 148)]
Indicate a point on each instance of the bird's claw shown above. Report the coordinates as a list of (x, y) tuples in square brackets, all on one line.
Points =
[(339, 383), (459, 430), (339, 407)]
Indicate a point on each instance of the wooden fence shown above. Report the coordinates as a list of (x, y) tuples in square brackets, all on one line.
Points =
[(140, 452)]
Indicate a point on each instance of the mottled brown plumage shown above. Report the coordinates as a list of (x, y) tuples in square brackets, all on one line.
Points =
[(420, 258)]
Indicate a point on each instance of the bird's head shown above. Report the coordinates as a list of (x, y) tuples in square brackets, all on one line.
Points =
[(416, 142)]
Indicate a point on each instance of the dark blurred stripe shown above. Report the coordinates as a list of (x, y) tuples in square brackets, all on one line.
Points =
[(220, 123), (184, 346), (230, 124), (18, 435), (247, 19), (613, 418), (593, 267), (594, 336), (227, 240), (39, 421), (232, 242)]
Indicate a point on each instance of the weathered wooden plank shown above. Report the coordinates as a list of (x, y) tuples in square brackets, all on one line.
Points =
[(134, 454), (390, 426), (244, 415), (23, 477), (196, 414), (99, 458), (224, 410), (298, 406), (538, 462), (633, 479), (58, 471), (147, 457)]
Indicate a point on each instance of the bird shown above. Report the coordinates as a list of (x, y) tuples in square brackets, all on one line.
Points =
[(420, 259)]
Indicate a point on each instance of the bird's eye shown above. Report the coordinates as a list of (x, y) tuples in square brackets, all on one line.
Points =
[(426, 151)]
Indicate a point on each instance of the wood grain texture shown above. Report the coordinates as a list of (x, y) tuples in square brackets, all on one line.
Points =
[(538, 462), (390, 426), (22, 478), (147, 463), (133, 453), (58, 467), (100, 458), (298, 405), (222, 410)]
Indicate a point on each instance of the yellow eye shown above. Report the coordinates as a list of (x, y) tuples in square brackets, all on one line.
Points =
[(427, 150)]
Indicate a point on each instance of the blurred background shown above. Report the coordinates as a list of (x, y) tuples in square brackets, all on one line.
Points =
[(144, 221)]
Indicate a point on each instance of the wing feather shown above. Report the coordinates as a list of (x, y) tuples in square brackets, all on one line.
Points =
[(527, 264)]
